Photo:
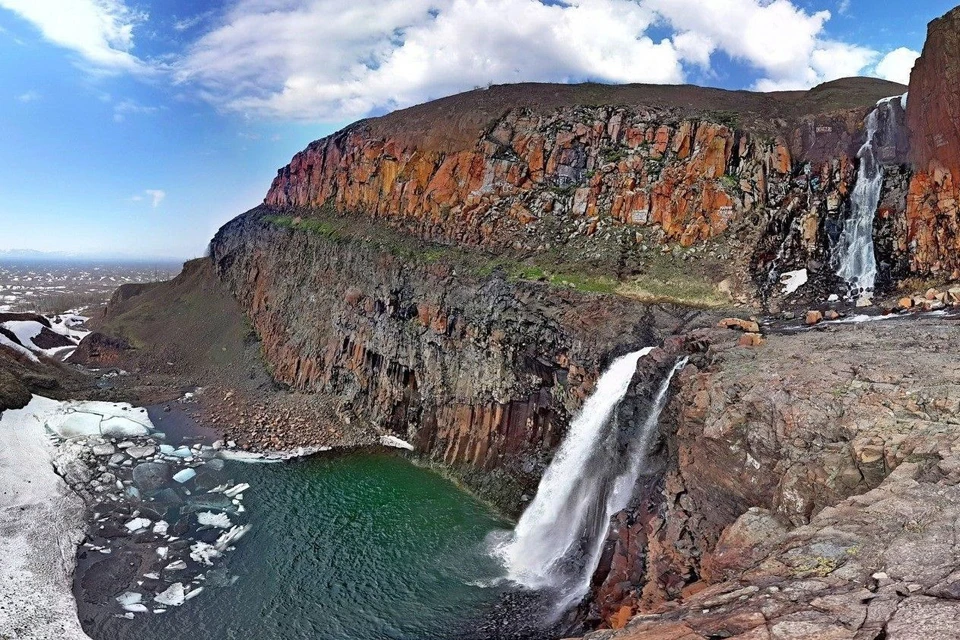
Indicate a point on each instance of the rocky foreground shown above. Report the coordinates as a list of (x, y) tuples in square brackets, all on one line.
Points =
[(808, 490)]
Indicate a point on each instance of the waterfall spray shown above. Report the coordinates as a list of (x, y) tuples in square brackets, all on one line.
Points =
[(559, 539), (857, 262)]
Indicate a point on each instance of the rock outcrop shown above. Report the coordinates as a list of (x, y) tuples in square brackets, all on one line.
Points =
[(933, 115), (762, 441), (764, 176)]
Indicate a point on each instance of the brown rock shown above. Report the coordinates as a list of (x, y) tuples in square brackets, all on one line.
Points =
[(905, 302), (749, 326), (831, 314), (750, 340), (813, 317)]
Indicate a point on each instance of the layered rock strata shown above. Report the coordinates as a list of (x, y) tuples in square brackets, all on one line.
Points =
[(478, 372)]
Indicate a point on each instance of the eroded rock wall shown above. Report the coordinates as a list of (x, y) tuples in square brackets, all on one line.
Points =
[(770, 182), (933, 115), (480, 373), (789, 430)]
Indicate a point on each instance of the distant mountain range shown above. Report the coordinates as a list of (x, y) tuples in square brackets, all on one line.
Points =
[(32, 255)]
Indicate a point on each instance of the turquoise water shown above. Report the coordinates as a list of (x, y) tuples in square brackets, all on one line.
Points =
[(364, 546)]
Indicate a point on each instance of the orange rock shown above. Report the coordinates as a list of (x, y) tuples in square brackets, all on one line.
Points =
[(750, 340), (750, 326), (621, 617), (905, 303), (813, 317)]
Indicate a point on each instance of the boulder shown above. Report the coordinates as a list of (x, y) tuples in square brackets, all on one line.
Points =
[(151, 476), (750, 340), (749, 326)]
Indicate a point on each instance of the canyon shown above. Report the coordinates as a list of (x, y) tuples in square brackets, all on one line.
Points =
[(461, 273)]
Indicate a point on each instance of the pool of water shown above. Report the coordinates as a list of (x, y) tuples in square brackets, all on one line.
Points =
[(360, 546)]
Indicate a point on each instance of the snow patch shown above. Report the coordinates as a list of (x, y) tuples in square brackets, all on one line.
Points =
[(42, 520), (793, 280), (395, 442)]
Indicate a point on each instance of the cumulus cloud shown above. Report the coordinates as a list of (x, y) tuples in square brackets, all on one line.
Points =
[(783, 42), (329, 60), (100, 32), (325, 59), (897, 65), (156, 196), (322, 59)]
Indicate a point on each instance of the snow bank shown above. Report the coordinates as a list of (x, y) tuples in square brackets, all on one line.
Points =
[(395, 442), (42, 522), (793, 280)]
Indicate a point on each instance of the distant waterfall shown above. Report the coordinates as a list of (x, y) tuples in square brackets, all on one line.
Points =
[(857, 262), (558, 541)]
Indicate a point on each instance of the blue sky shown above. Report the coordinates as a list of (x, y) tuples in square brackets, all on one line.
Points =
[(141, 127)]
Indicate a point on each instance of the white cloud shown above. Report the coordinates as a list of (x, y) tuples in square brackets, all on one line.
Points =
[(156, 195), (185, 24), (843, 7), (99, 31), (131, 107), (897, 65), (783, 42), (29, 96), (328, 60)]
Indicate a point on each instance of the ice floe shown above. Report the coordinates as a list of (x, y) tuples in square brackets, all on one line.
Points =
[(211, 519), (173, 596), (186, 475)]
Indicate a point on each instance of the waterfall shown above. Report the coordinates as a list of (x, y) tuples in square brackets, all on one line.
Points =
[(559, 539), (857, 262)]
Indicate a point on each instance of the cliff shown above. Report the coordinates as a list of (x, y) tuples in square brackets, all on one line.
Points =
[(933, 118), (460, 273), (803, 490), (480, 371), (756, 183)]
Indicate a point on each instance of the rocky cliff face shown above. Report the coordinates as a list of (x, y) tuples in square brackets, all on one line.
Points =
[(478, 372), (420, 324), (933, 114), (767, 178), (758, 442)]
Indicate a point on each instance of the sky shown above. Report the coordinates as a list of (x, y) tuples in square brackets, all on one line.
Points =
[(139, 128)]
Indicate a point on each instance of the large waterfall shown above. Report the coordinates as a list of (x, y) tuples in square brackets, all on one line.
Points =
[(559, 539), (857, 262)]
